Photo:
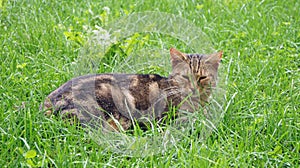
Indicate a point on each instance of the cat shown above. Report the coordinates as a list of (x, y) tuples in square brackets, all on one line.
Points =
[(115, 101)]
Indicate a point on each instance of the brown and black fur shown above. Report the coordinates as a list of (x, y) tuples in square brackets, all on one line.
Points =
[(115, 101)]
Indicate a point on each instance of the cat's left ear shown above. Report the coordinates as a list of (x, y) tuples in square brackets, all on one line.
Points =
[(214, 58), (177, 56)]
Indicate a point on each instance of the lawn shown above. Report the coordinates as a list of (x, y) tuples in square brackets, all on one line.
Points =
[(46, 43)]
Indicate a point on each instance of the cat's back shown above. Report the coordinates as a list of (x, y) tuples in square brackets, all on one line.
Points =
[(63, 97), (88, 88), (82, 82)]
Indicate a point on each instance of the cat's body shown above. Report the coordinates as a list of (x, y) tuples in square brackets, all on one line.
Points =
[(117, 100)]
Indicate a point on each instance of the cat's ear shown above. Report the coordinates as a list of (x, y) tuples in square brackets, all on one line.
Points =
[(214, 58), (177, 57)]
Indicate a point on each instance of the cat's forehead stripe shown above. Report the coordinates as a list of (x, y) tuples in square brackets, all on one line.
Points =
[(195, 61), (190, 56)]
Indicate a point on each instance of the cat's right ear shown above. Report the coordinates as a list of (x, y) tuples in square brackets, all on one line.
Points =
[(177, 57)]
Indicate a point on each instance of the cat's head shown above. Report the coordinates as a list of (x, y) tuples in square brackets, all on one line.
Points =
[(202, 69)]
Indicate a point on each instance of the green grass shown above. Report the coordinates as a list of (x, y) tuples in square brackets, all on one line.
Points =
[(41, 42)]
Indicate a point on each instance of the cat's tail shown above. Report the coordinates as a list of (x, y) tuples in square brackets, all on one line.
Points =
[(46, 107)]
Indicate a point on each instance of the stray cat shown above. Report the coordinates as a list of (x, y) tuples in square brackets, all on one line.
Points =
[(116, 101)]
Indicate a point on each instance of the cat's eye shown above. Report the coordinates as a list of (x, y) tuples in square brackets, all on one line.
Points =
[(186, 77), (202, 77)]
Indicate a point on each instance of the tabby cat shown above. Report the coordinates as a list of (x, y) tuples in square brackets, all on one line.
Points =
[(114, 101)]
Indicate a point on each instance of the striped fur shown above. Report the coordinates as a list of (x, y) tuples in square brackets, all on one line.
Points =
[(114, 101)]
